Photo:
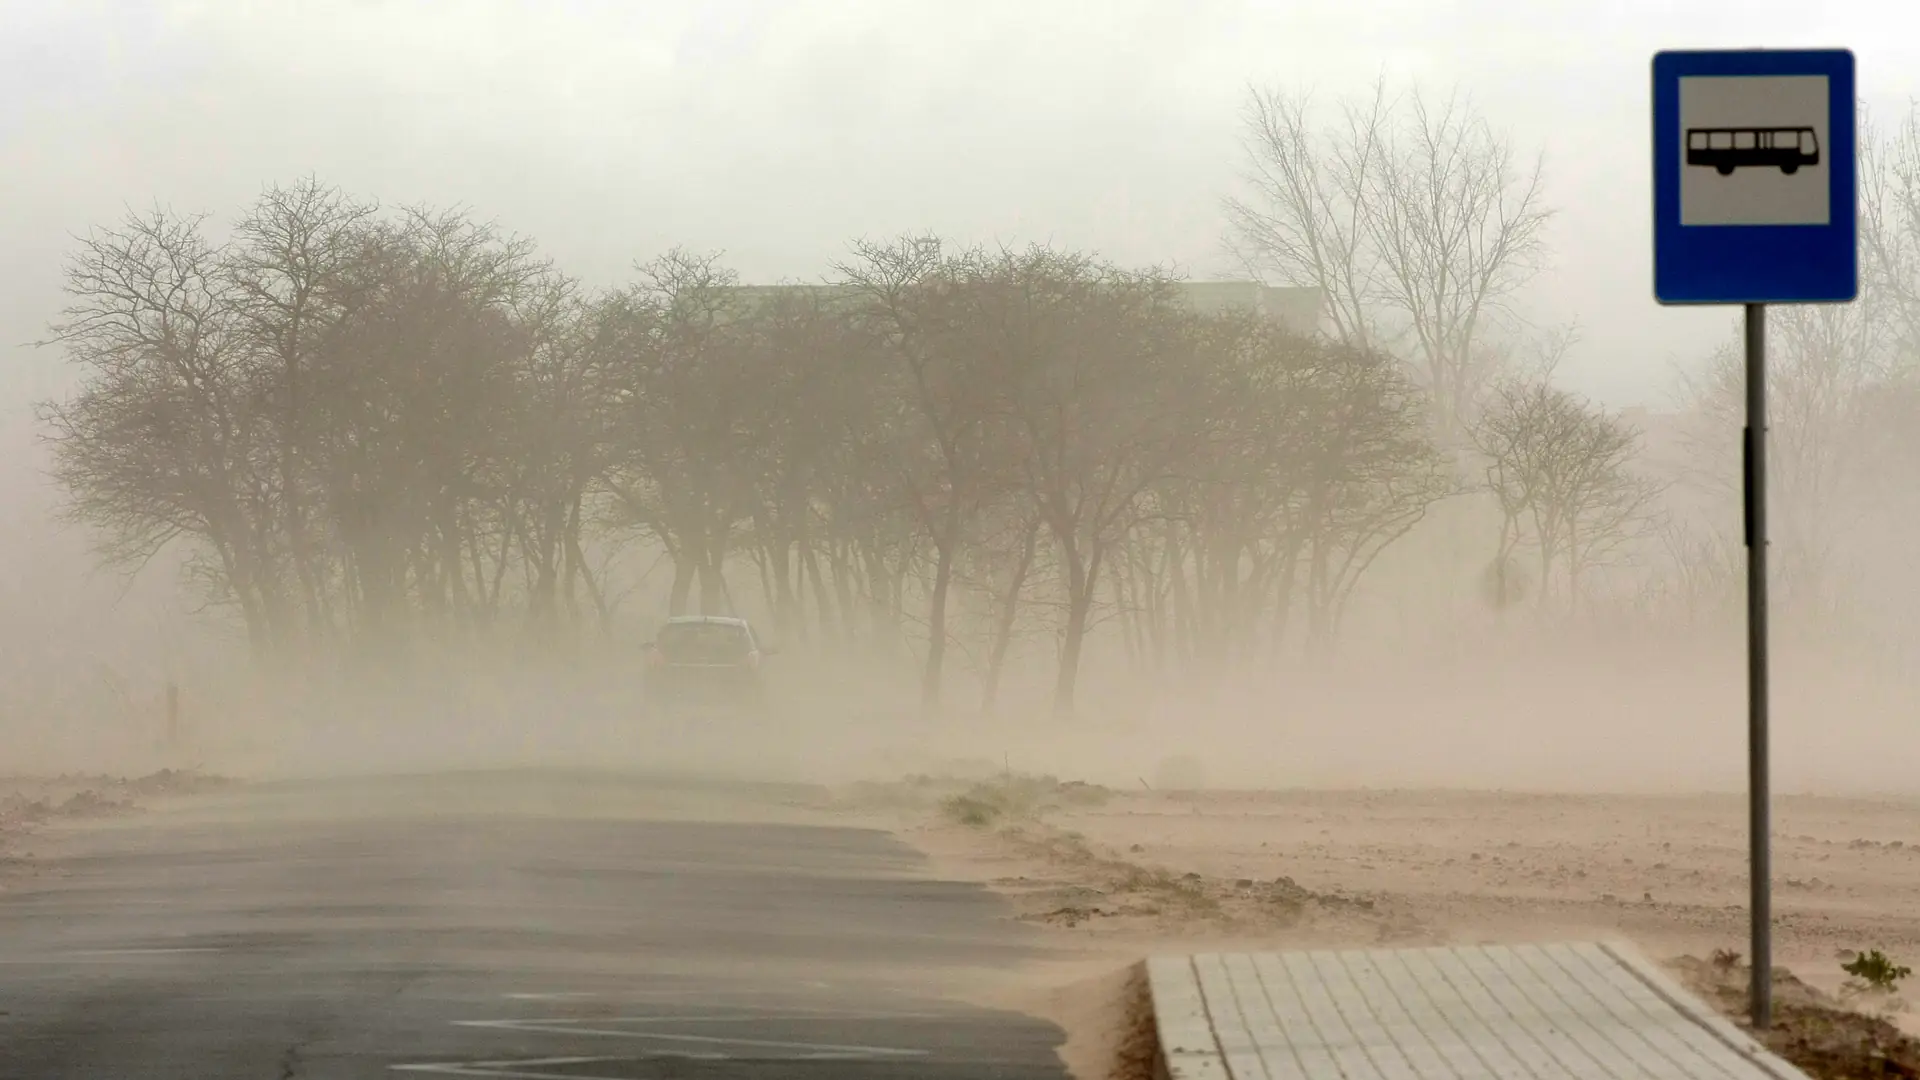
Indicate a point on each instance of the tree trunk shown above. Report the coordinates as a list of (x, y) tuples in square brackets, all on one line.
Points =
[(713, 589), (1183, 616), (1573, 568), (787, 616), (879, 601), (259, 635), (594, 593), (829, 616), (1156, 598), (1004, 619), (845, 573), (763, 562), (1081, 581), (937, 629), (682, 589), (1546, 571), (897, 601), (1129, 624), (1319, 602), (1286, 581)]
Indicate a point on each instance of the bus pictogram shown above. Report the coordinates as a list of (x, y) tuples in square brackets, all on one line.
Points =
[(1727, 149)]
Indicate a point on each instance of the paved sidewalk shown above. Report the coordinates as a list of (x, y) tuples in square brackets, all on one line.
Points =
[(1528, 1012)]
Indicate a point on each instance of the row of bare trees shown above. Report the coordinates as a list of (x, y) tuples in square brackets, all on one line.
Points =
[(369, 428)]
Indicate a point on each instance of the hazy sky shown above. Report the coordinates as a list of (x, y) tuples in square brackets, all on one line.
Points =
[(777, 131)]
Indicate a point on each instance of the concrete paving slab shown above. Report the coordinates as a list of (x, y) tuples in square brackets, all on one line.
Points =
[(1573, 1011)]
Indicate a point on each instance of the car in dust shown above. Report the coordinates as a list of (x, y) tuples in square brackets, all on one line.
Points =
[(706, 662)]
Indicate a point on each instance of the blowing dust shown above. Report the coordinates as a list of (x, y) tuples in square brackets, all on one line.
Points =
[(1634, 713)]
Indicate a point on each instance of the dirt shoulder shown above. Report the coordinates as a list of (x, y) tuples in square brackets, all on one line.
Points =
[(29, 805), (1123, 874)]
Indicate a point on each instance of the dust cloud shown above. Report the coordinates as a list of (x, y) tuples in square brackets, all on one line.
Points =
[(1224, 642), (1640, 712), (443, 449)]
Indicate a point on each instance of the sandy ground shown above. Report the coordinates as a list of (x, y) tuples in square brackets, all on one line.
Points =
[(1124, 874), (28, 803), (1669, 873)]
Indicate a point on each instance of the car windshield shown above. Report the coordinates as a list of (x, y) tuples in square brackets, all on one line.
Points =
[(704, 642)]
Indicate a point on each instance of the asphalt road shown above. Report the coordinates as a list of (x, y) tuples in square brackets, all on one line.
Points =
[(498, 925)]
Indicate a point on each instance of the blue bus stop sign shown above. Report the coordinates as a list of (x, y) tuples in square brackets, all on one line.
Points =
[(1754, 177)]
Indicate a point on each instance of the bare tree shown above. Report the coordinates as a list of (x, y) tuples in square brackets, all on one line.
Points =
[(290, 271), (1889, 215), (684, 400), (944, 321), (1305, 219), (1003, 561), (1372, 474), (1315, 459), (166, 436), (1103, 408), (1704, 573), (1414, 217), (410, 391), (820, 372), (1563, 474), (1822, 363)]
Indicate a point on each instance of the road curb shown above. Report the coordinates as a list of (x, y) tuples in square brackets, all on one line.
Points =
[(1697, 1010), (1188, 1048)]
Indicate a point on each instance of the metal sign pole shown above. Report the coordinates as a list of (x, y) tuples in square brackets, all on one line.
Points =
[(1755, 484), (1784, 232)]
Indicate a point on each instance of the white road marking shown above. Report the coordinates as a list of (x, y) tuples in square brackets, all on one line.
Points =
[(565, 996), (813, 1051), (147, 952), (509, 1069), (741, 1013)]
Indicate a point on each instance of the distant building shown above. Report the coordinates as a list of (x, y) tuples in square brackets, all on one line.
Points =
[(751, 293), (1297, 308), (1294, 307)]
